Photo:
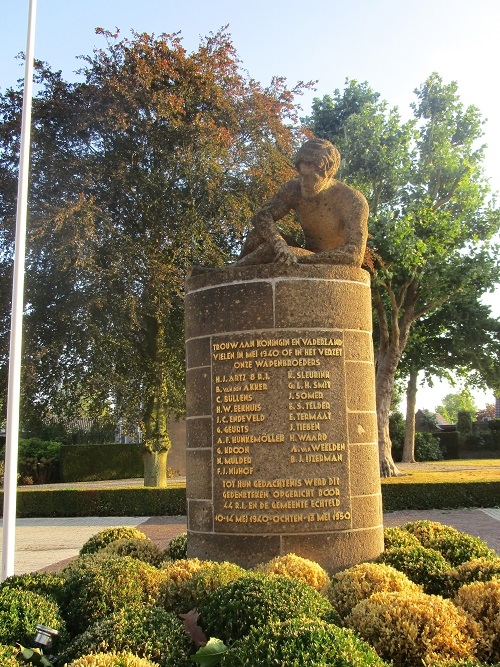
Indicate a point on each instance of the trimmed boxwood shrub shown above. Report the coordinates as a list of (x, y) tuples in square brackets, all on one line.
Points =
[(184, 588), (20, 613), (426, 567), (301, 642), (95, 587), (143, 549), (124, 659), (476, 569), (8, 656), (177, 548), (44, 583), (361, 581), (299, 568), (481, 600), (398, 537), (412, 628), (456, 547), (108, 535), (149, 631), (443, 495), (229, 612)]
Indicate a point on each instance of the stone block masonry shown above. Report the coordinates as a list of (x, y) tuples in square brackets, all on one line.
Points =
[(281, 422)]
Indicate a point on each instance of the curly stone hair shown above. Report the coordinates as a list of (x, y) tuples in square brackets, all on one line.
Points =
[(320, 152)]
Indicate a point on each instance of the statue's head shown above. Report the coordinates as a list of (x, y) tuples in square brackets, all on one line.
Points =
[(317, 161), (321, 153)]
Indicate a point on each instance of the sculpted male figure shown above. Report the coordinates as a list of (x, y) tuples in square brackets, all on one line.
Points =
[(332, 215)]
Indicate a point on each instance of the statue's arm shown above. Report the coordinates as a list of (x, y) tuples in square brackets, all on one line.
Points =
[(264, 221)]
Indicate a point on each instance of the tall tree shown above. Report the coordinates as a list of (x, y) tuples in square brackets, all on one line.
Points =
[(152, 163), (462, 401), (460, 338), (431, 220)]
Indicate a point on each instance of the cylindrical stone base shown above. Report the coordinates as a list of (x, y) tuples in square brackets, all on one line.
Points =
[(281, 424)]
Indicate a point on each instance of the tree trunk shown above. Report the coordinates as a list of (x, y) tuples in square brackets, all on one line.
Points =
[(155, 468), (384, 386), (411, 400)]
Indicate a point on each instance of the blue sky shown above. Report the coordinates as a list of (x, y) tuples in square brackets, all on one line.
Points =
[(392, 44)]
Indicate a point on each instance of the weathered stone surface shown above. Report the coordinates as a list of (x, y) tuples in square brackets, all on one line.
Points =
[(287, 405), (199, 480)]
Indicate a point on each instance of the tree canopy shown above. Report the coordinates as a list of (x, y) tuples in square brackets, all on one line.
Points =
[(432, 220), (153, 162)]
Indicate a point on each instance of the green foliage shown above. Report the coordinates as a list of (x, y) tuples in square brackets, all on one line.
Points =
[(464, 421), (300, 642), (143, 549), (122, 659), (8, 656), (411, 628), (427, 447), (148, 631), (177, 548), (481, 599), (87, 463), (398, 537), (441, 495), (229, 612), (296, 567), (44, 583), (455, 403), (181, 594), (108, 535), (38, 461), (20, 613), (397, 430), (361, 581), (456, 547), (210, 654), (95, 587), (426, 567), (476, 569), (138, 501)]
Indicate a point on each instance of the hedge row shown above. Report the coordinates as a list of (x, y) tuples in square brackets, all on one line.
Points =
[(88, 463), (133, 501), (147, 501)]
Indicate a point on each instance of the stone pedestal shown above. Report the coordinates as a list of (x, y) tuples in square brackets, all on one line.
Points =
[(281, 424)]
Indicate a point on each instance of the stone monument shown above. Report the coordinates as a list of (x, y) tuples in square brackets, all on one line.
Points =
[(281, 423)]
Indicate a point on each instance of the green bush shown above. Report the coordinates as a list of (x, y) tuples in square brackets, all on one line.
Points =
[(138, 547), (20, 613), (399, 537), (440, 495), (301, 642), (229, 612), (448, 442), (456, 547), (44, 583), (8, 656), (476, 569), (177, 548), (95, 587), (427, 447), (481, 600), (38, 460), (108, 535), (87, 463), (130, 501), (426, 567), (181, 594), (464, 422), (361, 581), (412, 628), (149, 631), (124, 659), (296, 567)]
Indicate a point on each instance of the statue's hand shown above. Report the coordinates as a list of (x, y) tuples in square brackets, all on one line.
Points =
[(284, 254)]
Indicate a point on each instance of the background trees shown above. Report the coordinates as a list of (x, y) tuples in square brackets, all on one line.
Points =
[(152, 163), (431, 220)]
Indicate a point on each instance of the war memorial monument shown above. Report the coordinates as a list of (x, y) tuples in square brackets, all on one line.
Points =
[(281, 423)]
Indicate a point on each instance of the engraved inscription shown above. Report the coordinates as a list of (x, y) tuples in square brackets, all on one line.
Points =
[(279, 433)]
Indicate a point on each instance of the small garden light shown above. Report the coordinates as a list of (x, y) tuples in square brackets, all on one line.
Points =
[(45, 636)]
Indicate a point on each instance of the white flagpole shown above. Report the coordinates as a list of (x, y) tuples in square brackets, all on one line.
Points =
[(13, 400)]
